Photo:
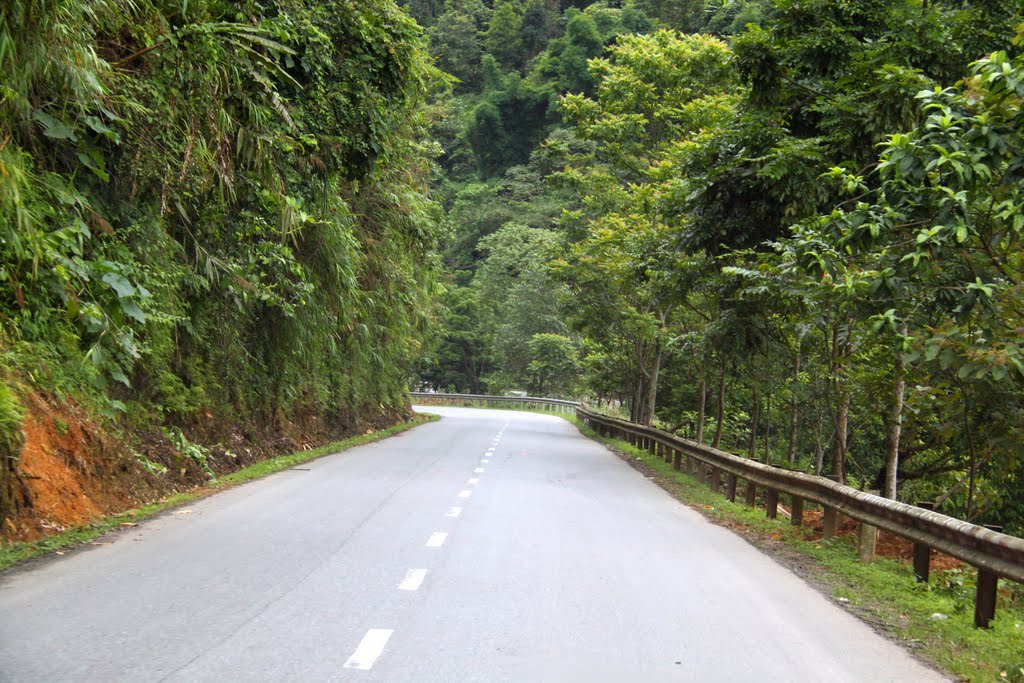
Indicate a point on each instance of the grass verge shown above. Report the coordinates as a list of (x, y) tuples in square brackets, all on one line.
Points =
[(17, 552), (934, 620)]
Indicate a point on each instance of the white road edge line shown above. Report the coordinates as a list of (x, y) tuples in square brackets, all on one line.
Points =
[(453, 512), (413, 580), (369, 649), (436, 539)]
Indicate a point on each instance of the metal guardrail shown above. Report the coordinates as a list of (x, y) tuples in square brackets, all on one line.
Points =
[(992, 553), (524, 402)]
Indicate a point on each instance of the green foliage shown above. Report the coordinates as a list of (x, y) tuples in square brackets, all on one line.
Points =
[(212, 209), (502, 38), (11, 438), (554, 365), (193, 451), (455, 44), (508, 124), (819, 217)]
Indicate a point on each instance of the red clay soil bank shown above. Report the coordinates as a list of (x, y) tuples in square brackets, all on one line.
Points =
[(72, 471), (69, 473)]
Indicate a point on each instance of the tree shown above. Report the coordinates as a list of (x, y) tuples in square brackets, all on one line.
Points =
[(518, 300), (455, 44), (554, 365), (502, 38), (653, 92)]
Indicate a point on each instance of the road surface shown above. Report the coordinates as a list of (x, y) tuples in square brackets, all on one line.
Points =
[(489, 546)]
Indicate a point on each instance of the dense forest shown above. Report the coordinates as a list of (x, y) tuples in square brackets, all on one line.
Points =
[(791, 229), (788, 228), (214, 222)]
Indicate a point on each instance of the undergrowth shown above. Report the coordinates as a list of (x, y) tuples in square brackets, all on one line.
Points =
[(934, 620)]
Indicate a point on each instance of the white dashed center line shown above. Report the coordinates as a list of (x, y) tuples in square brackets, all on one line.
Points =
[(436, 539), (413, 580), (465, 493), (369, 649), (473, 480), (453, 512), (479, 470)]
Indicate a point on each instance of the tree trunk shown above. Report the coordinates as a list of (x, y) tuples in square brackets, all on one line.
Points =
[(969, 437), (839, 445), (793, 413), (637, 399), (819, 454), (768, 430), (841, 397), (720, 410), (752, 445), (652, 387), (892, 456), (701, 405)]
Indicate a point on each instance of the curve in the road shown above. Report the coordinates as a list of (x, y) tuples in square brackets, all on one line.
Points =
[(489, 546)]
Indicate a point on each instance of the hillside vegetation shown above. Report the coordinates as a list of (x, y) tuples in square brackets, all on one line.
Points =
[(214, 227), (790, 229)]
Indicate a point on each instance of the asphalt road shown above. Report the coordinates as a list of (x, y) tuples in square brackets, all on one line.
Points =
[(489, 546)]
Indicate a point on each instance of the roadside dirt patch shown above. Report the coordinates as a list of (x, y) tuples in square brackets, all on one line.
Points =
[(72, 471), (889, 545), (69, 472)]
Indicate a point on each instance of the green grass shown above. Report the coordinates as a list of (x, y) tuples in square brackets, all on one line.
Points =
[(881, 592), (18, 552)]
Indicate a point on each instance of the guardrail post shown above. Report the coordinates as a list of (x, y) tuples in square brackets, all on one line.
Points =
[(987, 592), (667, 452), (677, 460), (771, 503), (867, 538), (985, 598), (751, 493), (730, 487), (828, 521), (797, 511), (922, 551), (716, 479)]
